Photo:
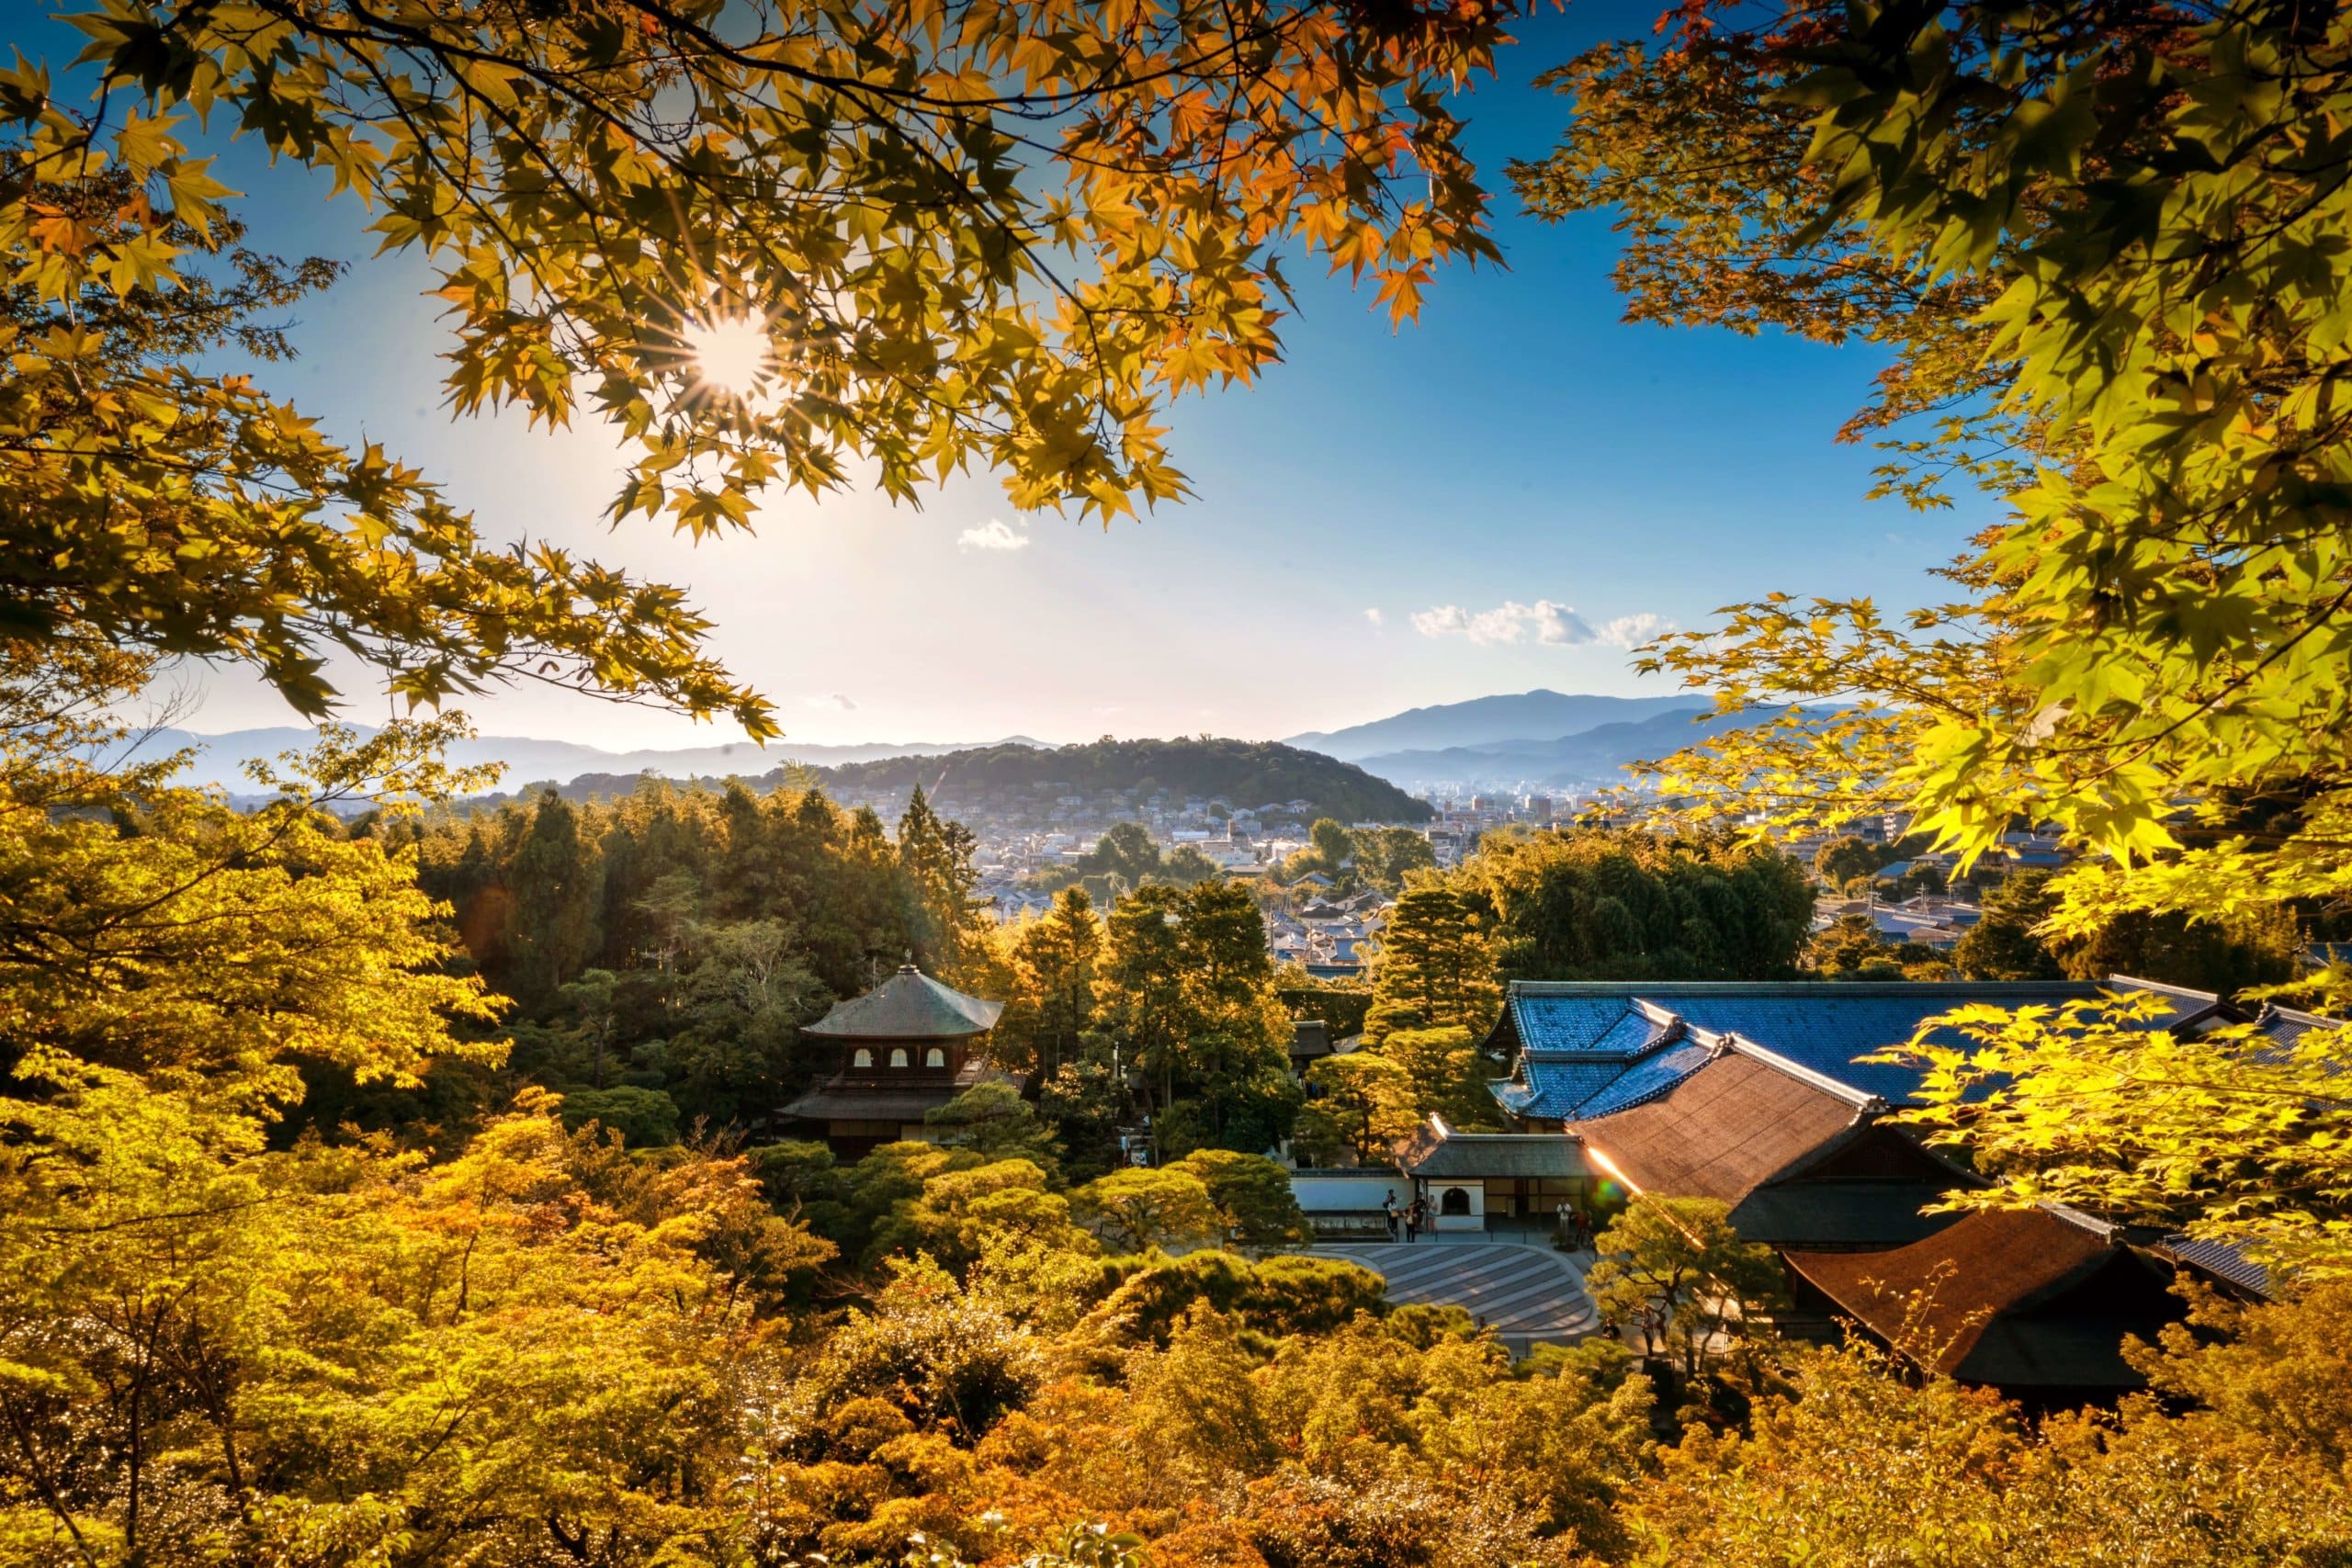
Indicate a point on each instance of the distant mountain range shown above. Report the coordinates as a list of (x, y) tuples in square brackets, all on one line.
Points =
[(1541, 738), (1019, 777), (1246, 772), (221, 759), (1590, 757), (1540, 715)]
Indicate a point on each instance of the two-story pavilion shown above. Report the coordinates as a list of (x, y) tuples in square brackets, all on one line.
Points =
[(902, 1050)]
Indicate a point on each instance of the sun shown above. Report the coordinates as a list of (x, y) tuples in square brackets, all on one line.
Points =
[(731, 354)]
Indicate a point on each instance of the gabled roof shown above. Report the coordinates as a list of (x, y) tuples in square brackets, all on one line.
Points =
[(1800, 1158), (2018, 1297), (1727, 1127), (1646, 1079), (1439, 1153), (909, 1005)]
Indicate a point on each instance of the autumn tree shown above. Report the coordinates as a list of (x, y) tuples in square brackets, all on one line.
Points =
[(166, 986), (1251, 1195), (640, 212), (2097, 244)]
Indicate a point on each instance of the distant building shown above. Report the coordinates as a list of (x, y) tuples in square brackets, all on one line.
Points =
[(901, 1051), (1310, 1042)]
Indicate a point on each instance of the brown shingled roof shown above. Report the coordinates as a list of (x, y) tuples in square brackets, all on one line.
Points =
[(909, 1005), (1724, 1130), (2017, 1298)]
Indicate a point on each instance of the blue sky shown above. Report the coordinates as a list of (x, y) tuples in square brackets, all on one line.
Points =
[(1520, 460)]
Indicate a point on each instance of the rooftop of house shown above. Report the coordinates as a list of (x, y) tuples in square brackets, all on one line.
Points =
[(1742, 1117), (1437, 1151), (2018, 1297), (1801, 1160), (1583, 1049)]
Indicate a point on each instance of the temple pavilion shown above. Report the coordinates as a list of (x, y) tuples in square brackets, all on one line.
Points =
[(901, 1050)]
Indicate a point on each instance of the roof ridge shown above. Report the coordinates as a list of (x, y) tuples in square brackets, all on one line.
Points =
[(1860, 1100), (2106, 1230), (2312, 1019), (2164, 988)]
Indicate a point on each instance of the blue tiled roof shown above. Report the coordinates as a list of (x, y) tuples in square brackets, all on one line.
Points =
[(2289, 1029), (2222, 1260), (1554, 1089), (1646, 1079), (1829, 1033), (1579, 1040), (1567, 1023)]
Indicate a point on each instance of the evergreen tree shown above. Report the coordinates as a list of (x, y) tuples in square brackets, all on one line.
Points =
[(554, 887), (936, 856), (1436, 967), (1056, 958), (1144, 1002), (1595, 904), (2004, 944)]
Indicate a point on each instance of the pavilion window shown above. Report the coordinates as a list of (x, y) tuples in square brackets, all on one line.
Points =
[(934, 1057), (861, 1057), (898, 1056)]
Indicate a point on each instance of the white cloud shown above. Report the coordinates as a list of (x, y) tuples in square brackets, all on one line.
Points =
[(1632, 631), (1376, 618), (833, 702), (1550, 624), (1510, 621), (1558, 623), (993, 534)]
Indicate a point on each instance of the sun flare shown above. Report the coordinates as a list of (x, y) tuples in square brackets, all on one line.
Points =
[(731, 354)]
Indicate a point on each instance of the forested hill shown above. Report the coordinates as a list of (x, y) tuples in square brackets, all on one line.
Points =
[(1245, 773)]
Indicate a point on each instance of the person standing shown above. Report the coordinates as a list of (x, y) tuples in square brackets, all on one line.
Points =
[(1389, 1211), (1415, 1215)]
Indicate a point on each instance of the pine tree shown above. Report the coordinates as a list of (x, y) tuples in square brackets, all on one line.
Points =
[(1437, 968), (1057, 957), (557, 886), (936, 857)]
